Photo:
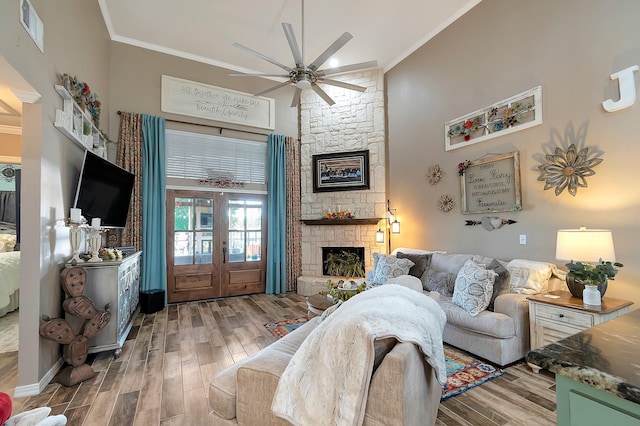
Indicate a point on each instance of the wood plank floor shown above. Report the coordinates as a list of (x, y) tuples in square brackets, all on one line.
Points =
[(162, 377)]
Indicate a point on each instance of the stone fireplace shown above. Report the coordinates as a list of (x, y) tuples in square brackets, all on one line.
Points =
[(355, 123)]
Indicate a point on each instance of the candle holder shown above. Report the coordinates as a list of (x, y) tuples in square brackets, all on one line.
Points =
[(75, 236), (95, 241)]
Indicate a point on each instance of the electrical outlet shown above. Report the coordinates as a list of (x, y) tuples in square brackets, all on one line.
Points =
[(523, 239)]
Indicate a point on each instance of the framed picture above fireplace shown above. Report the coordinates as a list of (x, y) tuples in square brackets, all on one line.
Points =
[(341, 171)]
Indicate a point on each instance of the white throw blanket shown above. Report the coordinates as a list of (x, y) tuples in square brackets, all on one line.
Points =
[(327, 380)]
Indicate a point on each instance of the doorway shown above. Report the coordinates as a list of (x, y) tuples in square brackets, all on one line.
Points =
[(216, 244)]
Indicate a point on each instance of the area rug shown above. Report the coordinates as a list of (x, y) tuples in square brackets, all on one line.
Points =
[(463, 371), (282, 328)]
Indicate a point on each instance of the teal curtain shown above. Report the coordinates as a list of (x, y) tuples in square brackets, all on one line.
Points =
[(154, 258), (276, 215)]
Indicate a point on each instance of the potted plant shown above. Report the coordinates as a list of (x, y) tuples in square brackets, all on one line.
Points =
[(581, 274), (344, 264)]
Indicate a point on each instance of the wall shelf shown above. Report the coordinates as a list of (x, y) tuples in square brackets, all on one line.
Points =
[(337, 222), (77, 125)]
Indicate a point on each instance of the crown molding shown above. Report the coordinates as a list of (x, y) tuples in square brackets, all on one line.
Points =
[(27, 97)]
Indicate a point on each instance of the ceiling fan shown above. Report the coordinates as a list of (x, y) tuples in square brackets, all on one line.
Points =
[(308, 76)]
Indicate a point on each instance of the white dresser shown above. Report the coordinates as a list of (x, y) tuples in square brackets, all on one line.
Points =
[(116, 283)]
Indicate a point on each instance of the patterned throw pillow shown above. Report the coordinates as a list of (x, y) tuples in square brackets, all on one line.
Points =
[(529, 276), (387, 267), (474, 287)]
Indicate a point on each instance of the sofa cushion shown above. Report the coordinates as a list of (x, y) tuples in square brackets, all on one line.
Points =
[(223, 390), (387, 267), (421, 262), (529, 276), (473, 287), (440, 281), (486, 322)]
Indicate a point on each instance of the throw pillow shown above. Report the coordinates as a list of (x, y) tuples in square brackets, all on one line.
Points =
[(473, 287), (421, 261), (501, 283), (529, 276), (388, 267), (439, 281)]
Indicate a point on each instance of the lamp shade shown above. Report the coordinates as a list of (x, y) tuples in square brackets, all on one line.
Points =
[(379, 236), (395, 227), (585, 245)]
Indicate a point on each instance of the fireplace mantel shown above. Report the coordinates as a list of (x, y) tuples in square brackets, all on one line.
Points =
[(337, 222)]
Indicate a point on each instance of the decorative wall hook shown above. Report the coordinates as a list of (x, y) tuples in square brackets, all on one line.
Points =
[(490, 223)]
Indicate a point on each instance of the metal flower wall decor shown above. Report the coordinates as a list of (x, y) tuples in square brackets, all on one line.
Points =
[(567, 169), (434, 174)]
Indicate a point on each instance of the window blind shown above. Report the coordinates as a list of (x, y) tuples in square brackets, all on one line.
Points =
[(197, 156)]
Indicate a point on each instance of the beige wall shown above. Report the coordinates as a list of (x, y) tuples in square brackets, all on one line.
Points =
[(135, 87), (10, 145), (75, 41), (498, 49)]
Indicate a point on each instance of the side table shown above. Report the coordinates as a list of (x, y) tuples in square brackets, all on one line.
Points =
[(317, 304), (554, 318)]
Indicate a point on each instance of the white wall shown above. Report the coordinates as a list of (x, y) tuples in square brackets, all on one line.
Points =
[(498, 49)]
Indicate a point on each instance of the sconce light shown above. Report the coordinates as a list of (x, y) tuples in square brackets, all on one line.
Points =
[(393, 220)]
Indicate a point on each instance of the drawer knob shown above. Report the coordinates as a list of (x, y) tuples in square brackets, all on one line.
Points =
[(561, 315)]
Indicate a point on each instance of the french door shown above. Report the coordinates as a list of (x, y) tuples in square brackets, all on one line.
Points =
[(216, 244)]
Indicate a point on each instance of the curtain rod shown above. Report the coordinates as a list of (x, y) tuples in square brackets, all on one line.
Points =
[(209, 125)]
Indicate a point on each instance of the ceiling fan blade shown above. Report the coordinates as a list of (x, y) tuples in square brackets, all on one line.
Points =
[(296, 98), (342, 84), (261, 56), (341, 41), (322, 94), (259, 75), (293, 44), (286, 83), (349, 68)]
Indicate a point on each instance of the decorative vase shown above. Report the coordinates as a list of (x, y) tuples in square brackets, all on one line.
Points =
[(591, 295), (576, 287)]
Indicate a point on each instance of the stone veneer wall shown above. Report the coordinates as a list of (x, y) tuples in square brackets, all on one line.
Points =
[(356, 122)]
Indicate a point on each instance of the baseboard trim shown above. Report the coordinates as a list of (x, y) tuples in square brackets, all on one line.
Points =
[(36, 388)]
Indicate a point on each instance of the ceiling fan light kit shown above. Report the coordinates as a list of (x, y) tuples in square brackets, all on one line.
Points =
[(307, 77)]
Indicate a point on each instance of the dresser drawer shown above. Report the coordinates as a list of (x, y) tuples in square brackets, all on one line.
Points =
[(565, 316)]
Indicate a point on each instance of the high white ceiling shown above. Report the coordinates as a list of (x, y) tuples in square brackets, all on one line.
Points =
[(205, 30)]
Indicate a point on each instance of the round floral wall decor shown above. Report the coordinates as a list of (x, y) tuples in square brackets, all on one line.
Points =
[(445, 203), (434, 174), (567, 169)]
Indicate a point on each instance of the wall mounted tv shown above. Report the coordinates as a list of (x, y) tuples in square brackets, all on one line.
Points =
[(104, 191)]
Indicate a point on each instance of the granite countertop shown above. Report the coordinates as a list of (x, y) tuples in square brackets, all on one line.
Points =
[(604, 357)]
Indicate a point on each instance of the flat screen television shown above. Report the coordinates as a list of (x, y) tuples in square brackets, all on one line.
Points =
[(104, 191)]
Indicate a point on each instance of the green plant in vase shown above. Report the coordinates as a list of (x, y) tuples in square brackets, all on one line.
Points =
[(582, 273), (344, 264)]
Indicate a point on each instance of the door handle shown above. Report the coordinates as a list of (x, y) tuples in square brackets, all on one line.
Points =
[(224, 255)]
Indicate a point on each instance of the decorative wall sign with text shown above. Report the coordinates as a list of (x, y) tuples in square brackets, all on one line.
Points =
[(516, 113), (492, 184), (201, 100)]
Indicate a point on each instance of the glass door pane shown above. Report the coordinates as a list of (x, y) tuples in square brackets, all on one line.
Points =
[(193, 230), (245, 231)]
